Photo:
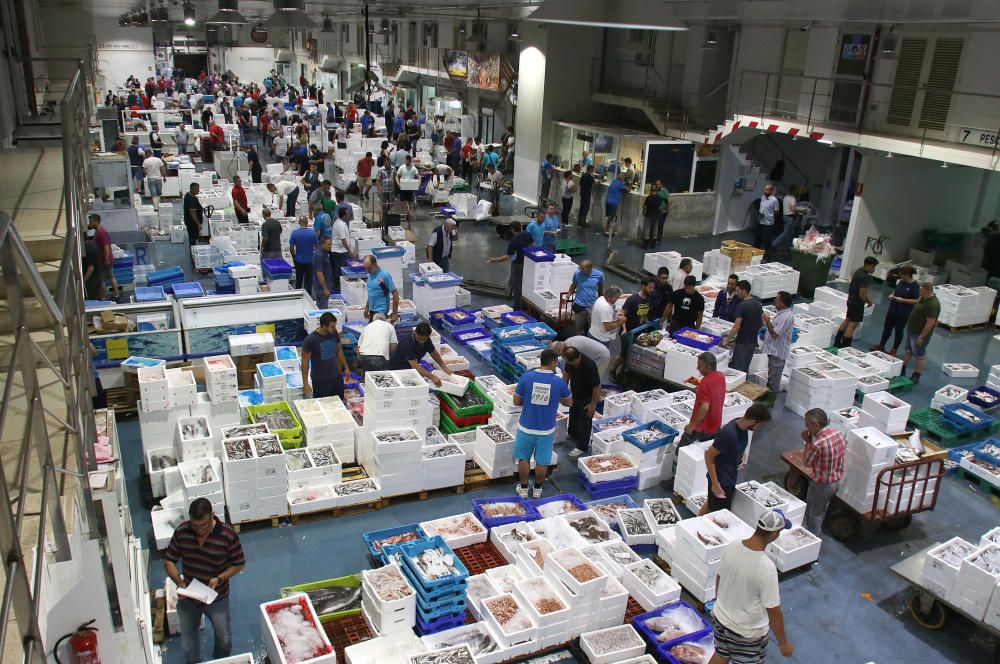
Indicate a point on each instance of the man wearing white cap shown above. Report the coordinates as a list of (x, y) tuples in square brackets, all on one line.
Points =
[(747, 605)]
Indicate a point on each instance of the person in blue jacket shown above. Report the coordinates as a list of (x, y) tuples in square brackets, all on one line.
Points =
[(727, 300), (612, 201)]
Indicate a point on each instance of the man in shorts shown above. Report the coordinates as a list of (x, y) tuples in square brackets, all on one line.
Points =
[(919, 327), (539, 393), (747, 604), (857, 300)]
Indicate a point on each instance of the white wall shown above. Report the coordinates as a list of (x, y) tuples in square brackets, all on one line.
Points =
[(903, 196), (122, 52), (530, 103), (731, 213), (250, 63)]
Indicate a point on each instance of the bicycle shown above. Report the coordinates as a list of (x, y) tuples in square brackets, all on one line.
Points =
[(875, 244)]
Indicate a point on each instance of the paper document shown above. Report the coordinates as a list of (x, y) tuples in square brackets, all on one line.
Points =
[(199, 591)]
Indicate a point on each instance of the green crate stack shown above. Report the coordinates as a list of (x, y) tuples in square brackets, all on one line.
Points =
[(290, 439)]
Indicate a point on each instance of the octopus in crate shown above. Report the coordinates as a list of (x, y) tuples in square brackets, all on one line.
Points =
[(663, 511), (634, 522), (267, 445), (688, 653), (435, 564), (323, 455), (547, 605), (584, 572), (591, 529), (411, 536), (609, 511), (508, 614), (502, 509), (605, 463), (457, 526), (517, 534)]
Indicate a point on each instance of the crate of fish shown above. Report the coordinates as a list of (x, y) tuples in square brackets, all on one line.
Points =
[(614, 644), (509, 620), (281, 420), (563, 503), (661, 512), (515, 318), (473, 402), (333, 598), (502, 510), (458, 530), (433, 568), (508, 352), (636, 528), (965, 418), (293, 633), (622, 422), (607, 508), (389, 592), (650, 435), (375, 540), (608, 489), (590, 527), (650, 585), (696, 338), (601, 468), (984, 397), (668, 625), (469, 334), (450, 319)]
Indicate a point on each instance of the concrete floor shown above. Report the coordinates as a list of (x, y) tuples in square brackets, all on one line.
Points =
[(850, 607)]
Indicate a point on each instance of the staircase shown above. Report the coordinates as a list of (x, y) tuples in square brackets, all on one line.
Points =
[(668, 116), (41, 131)]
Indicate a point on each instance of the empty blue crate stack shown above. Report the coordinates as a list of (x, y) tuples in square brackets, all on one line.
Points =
[(224, 282), (166, 277), (277, 273), (189, 289), (439, 578), (123, 268), (149, 294)]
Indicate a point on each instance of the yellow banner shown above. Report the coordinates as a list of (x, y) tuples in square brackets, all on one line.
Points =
[(117, 349)]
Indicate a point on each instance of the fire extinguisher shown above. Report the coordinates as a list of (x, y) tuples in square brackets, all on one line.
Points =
[(83, 645)]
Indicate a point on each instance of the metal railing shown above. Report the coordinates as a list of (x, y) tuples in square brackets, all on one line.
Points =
[(32, 371), (930, 114), (51, 82)]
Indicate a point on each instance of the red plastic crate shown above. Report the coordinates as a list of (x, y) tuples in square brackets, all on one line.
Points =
[(632, 610), (347, 631), (469, 421), (480, 557)]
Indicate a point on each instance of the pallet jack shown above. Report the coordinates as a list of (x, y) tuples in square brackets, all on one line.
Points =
[(614, 264)]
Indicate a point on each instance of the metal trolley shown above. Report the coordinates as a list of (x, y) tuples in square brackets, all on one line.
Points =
[(919, 480)]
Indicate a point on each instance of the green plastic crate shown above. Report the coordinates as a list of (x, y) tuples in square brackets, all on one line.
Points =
[(833, 350), (448, 427), (484, 409), (290, 438), (571, 247), (932, 422), (353, 582), (900, 384)]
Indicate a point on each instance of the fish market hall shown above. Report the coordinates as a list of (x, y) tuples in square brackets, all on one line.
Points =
[(402, 333)]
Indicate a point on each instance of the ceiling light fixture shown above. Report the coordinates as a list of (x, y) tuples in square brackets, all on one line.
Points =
[(514, 33), (189, 15), (228, 14), (384, 25), (602, 14), (889, 43), (327, 25), (711, 40), (289, 15), (158, 14)]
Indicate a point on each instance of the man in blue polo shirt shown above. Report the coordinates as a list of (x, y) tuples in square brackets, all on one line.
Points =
[(613, 199), (380, 287), (587, 286), (537, 229), (539, 393)]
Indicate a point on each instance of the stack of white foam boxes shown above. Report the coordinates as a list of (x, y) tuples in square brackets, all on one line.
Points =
[(220, 379), (388, 616), (269, 378), (583, 598), (652, 261), (691, 469), (194, 447), (327, 421), (255, 486), (837, 302), (505, 413), (494, 450), (883, 411), (681, 362), (976, 582), (443, 465), (397, 414), (545, 279), (428, 299), (767, 279), (694, 562), (869, 451), (962, 306), (821, 385)]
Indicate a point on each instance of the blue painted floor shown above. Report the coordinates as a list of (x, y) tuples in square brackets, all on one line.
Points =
[(848, 608)]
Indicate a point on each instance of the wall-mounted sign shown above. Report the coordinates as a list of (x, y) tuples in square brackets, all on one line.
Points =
[(121, 46), (978, 137), (258, 34), (457, 63), (484, 72)]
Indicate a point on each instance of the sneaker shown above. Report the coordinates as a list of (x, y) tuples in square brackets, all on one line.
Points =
[(915, 377), (536, 492), (575, 452), (522, 491)]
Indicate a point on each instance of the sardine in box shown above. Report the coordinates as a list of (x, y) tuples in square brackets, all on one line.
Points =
[(938, 574)]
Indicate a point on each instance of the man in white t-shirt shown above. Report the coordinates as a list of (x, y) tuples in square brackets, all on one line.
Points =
[(378, 341), (288, 195), (341, 249), (155, 170), (407, 172), (747, 604), (606, 325)]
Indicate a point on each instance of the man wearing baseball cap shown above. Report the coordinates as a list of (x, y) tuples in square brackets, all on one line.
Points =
[(747, 605)]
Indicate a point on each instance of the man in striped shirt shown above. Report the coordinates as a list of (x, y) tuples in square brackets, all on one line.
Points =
[(212, 554), (824, 454), (778, 341)]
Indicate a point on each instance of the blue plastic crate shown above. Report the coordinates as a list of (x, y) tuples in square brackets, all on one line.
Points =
[(164, 276), (444, 280), (374, 536), (622, 498), (991, 400), (608, 389), (452, 318), (694, 343), (538, 254), (668, 434), (444, 606), (492, 522), (597, 426), (959, 423), (411, 549), (387, 252), (551, 499), (469, 334), (440, 625), (980, 454), (514, 318), (608, 489), (275, 266), (189, 289), (149, 293)]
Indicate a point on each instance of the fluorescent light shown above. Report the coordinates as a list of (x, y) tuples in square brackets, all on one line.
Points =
[(189, 16), (289, 15), (629, 15)]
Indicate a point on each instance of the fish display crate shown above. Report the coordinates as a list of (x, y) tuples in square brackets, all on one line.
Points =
[(951, 413), (984, 404), (600, 490), (662, 648), (515, 318), (623, 498), (492, 522), (469, 334), (374, 536), (450, 320), (432, 589), (694, 343), (506, 355), (149, 294), (455, 411), (351, 582), (932, 422), (569, 497), (423, 628), (290, 439), (667, 437), (189, 289), (463, 422), (956, 454), (448, 427)]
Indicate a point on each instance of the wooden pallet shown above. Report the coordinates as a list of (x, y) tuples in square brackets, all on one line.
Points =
[(260, 524), (354, 472), (334, 512), (159, 611), (425, 495), (117, 398), (956, 329)]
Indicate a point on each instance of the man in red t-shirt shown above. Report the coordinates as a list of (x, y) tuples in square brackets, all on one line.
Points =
[(218, 136), (103, 242), (365, 166), (706, 416), (240, 205)]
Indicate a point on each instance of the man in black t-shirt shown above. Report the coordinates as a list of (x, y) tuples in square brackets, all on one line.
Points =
[(748, 319), (724, 458), (193, 213), (650, 215), (857, 300), (519, 241), (662, 290), (637, 305), (410, 350), (685, 307), (586, 187), (585, 387), (323, 354)]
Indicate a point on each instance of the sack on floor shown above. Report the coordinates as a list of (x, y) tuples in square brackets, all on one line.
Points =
[(483, 208)]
